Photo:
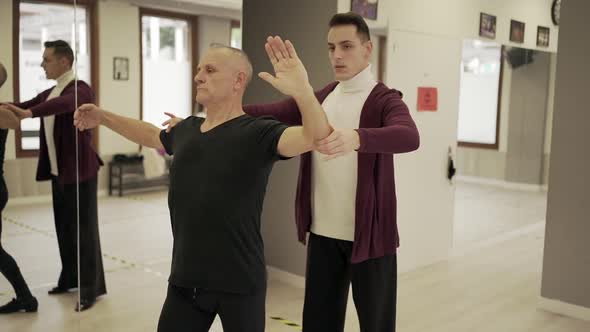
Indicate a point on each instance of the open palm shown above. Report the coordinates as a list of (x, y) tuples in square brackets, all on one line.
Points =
[(290, 74)]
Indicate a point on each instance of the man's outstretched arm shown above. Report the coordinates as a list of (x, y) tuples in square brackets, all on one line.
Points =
[(89, 116)]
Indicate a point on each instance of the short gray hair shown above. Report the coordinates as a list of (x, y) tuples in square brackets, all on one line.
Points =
[(241, 54)]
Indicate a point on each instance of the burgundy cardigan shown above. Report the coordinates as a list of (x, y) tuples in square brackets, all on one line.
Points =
[(385, 128), (64, 132)]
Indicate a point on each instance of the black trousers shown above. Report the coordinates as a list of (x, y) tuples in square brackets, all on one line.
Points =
[(193, 310), (328, 278), (64, 210), (8, 265)]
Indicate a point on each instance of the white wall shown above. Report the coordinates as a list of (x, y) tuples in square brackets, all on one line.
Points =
[(118, 37), (213, 30), (425, 40), (378, 26), (425, 196), (463, 22), (460, 18)]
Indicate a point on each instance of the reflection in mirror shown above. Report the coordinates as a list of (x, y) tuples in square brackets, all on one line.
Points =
[(41, 22), (43, 237), (80, 195), (504, 130)]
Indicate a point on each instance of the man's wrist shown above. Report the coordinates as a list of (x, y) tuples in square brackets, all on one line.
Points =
[(105, 118), (303, 93), (28, 113), (357, 140)]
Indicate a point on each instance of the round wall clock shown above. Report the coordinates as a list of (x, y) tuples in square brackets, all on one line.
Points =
[(555, 11)]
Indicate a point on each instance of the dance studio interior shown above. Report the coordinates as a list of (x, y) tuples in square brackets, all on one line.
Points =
[(471, 215)]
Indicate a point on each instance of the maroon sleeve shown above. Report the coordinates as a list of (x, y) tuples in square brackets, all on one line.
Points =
[(32, 102), (65, 102), (286, 111), (398, 134)]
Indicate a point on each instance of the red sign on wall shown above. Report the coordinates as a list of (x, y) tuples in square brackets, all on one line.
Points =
[(427, 99)]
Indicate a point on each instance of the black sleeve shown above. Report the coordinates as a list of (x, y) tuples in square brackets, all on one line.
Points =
[(167, 140), (270, 134)]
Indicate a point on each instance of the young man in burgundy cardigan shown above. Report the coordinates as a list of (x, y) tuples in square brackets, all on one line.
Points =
[(57, 162), (346, 191)]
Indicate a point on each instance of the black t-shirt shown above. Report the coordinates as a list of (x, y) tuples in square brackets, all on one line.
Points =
[(217, 186)]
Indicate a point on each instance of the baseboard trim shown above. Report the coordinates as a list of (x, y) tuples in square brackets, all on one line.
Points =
[(40, 199), (501, 183), (292, 279), (564, 308)]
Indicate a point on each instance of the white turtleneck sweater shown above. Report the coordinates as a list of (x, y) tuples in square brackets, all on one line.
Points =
[(334, 181), (49, 121)]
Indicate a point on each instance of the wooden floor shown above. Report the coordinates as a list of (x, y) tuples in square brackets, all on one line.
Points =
[(491, 284)]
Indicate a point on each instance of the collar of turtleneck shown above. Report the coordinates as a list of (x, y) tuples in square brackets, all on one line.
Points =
[(359, 82)]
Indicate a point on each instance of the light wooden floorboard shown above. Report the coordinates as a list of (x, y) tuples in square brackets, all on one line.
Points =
[(491, 283)]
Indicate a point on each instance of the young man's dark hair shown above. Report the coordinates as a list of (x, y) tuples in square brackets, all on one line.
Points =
[(61, 49), (351, 18)]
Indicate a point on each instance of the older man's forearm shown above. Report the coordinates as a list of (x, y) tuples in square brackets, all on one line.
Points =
[(137, 131), (314, 120)]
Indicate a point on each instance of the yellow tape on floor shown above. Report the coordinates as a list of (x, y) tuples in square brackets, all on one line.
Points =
[(287, 322), (127, 264)]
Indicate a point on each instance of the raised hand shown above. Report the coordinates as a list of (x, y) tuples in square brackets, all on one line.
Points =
[(170, 123), (87, 116), (290, 74)]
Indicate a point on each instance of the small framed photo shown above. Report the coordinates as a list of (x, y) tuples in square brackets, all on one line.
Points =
[(120, 69), (516, 31), (542, 36), (365, 8), (487, 25)]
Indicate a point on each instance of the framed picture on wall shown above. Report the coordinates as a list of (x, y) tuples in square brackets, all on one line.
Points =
[(487, 25), (120, 69), (516, 31), (542, 36), (365, 8)]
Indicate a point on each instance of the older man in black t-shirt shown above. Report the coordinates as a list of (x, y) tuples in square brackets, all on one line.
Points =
[(217, 184), (24, 300)]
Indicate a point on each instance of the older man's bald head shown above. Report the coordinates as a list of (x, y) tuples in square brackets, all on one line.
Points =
[(3, 74), (241, 60)]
